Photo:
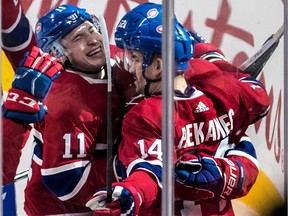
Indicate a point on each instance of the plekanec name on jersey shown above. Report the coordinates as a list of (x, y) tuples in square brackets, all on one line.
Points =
[(215, 129)]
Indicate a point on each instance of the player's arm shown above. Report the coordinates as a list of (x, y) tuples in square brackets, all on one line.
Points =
[(211, 53), (17, 33), (136, 193), (14, 138), (228, 177), (254, 97), (24, 105), (142, 182), (252, 92)]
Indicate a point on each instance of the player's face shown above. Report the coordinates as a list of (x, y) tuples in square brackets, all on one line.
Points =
[(135, 68), (153, 71), (84, 45)]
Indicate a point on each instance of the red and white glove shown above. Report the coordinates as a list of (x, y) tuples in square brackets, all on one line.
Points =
[(125, 201), (138, 190), (31, 84)]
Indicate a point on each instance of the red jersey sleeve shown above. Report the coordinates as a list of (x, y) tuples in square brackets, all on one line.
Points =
[(15, 136), (17, 33)]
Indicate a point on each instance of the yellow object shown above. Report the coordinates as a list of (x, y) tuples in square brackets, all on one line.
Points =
[(7, 73), (263, 197)]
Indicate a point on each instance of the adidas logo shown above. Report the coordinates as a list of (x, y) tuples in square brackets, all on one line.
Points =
[(201, 107)]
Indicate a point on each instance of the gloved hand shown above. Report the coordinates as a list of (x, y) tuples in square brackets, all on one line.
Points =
[(31, 84), (220, 176), (125, 201)]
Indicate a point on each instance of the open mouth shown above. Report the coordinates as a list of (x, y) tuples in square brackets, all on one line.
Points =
[(94, 52)]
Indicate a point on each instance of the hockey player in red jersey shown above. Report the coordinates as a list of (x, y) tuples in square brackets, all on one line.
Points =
[(17, 33), (69, 160), (200, 132), (69, 157)]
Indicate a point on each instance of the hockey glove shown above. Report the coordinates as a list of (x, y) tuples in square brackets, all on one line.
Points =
[(220, 176), (125, 201), (31, 84)]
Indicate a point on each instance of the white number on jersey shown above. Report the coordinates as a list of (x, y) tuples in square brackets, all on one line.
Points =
[(81, 143), (154, 149)]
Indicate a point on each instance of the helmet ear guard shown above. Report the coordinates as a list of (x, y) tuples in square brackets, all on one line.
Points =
[(58, 50)]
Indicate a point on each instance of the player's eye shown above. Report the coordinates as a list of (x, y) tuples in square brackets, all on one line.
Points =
[(77, 38), (93, 30)]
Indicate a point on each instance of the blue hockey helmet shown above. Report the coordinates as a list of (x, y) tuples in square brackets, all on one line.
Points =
[(57, 23), (141, 29)]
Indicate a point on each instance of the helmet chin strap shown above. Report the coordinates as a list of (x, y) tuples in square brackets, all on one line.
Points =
[(69, 65), (148, 83)]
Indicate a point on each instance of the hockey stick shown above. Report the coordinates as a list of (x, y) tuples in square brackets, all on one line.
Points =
[(21, 175), (255, 64), (109, 110)]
